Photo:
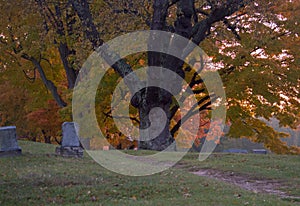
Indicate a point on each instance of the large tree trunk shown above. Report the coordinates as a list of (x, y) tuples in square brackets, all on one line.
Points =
[(153, 122), (156, 97)]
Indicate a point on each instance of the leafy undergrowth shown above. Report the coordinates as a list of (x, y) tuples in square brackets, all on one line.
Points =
[(38, 177)]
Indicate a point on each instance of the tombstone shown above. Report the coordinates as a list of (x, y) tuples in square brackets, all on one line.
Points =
[(259, 151), (234, 150), (8, 142), (70, 145)]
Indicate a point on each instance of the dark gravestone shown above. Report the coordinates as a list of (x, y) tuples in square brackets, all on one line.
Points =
[(8, 142), (70, 145)]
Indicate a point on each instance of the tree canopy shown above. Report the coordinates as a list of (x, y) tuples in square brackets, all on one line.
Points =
[(253, 46)]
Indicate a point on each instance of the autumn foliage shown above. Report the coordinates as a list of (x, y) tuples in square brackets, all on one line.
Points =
[(46, 122)]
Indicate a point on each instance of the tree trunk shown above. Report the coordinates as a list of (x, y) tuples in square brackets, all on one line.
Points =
[(70, 73), (47, 138), (153, 122), (156, 97), (56, 19)]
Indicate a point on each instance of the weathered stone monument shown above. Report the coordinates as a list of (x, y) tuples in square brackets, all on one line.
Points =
[(70, 145), (8, 142)]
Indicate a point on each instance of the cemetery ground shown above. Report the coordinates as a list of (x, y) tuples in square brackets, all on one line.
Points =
[(39, 177)]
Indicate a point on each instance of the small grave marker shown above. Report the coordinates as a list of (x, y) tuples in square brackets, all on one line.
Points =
[(70, 145), (8, 142), (259, 151), (233, 150)]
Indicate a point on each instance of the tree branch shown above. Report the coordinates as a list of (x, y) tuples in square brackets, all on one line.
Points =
[(218, 13), (176, 107), (121, 67), (30, 79), (232, 29), (188, 116), (56, 20), (108, 114), (48, 83)]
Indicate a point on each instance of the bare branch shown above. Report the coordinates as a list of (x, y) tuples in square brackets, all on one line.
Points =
[(48, 83), (189, 115), (30, 79), (201, 11), (121, 67), (108, 114), (232, 29)]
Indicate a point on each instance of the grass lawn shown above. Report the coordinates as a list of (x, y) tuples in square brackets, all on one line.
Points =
[(40, 178)]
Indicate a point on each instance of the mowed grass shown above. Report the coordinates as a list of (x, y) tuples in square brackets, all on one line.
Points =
[(38, 177)]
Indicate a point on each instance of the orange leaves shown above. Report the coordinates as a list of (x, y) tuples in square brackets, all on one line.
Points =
[(142, 62), (46, 119)]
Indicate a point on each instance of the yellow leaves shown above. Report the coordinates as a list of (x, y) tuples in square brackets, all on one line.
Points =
[(262, 133)]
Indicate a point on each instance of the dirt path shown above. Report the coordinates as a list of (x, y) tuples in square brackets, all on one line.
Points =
[(246, 182)]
